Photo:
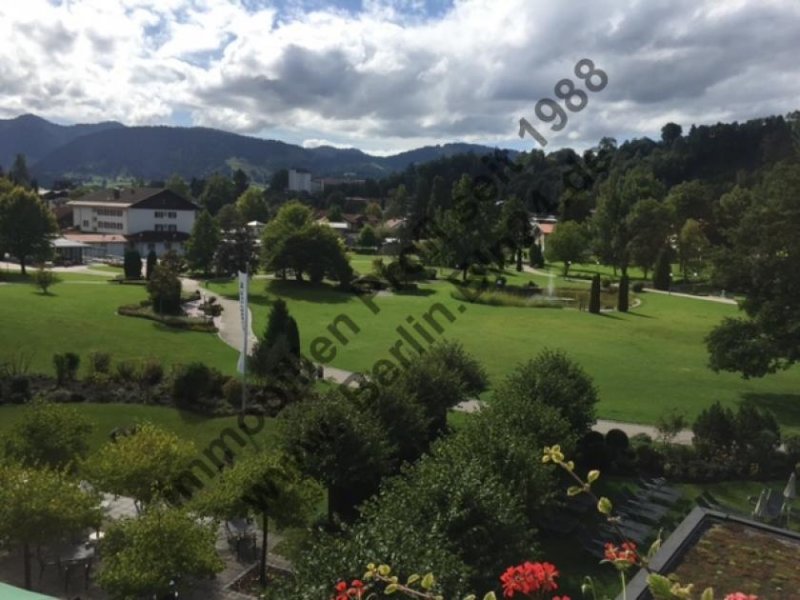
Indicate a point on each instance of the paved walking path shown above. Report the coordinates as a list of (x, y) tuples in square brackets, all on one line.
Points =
[(720, 299), (228, 324), (602, 425)]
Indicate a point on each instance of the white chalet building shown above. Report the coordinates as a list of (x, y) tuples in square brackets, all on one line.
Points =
[(143, 218)]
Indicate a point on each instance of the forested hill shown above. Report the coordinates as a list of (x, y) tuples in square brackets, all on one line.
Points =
[(35, 137), (111, 150), (715, 158)]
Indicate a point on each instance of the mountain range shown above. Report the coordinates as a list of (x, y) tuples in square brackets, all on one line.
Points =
[(111, 150)]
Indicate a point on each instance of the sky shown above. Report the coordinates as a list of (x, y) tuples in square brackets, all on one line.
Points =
[(391, 75)]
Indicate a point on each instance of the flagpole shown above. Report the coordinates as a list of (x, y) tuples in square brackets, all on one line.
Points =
[(246, 327)]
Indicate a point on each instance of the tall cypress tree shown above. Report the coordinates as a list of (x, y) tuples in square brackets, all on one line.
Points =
[(536, 257), (132, 264), (622, 300), (293, 336), (152, 261), (265, 357), (661, 274), (594, 295)]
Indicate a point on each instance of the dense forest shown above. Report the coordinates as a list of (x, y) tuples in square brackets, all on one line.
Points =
[(566, 183)]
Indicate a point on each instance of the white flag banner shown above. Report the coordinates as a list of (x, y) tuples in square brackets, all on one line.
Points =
[(243, 288)]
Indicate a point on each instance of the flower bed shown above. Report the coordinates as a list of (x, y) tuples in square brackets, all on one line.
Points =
[(177, 321)]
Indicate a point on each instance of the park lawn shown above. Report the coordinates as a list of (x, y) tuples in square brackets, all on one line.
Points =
[(199, 429), (79, 315), (110, 269), (643, 362)]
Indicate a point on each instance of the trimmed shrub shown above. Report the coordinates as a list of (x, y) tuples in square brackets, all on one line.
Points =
[(66, 366), (126, 371), (617, 441), (151, 373), (190, 382), (194, 382), (19, 387), (638, 287), (99, 363), (232, 392), (605, 283)]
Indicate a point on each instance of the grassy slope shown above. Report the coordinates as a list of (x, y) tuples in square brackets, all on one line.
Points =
[(105, 417), (642, 362), (80, 315)]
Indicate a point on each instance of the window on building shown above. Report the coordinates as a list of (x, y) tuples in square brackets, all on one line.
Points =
[(172, 215), (86, 222), (159, 214), (172, 228), (159, 228), (151, 247)]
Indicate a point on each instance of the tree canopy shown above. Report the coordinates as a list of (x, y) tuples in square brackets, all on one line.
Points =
[(26, 225)]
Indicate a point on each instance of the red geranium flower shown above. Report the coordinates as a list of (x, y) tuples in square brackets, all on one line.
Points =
[(625, 554), (528, 578), (741, 596), (355, 590)]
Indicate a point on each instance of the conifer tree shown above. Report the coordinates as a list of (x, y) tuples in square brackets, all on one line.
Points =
[(594, 295), (661, 274), (622, 300)]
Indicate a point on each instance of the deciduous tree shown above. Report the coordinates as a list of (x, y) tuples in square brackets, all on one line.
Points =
[(158, 553), (267, 485), (145, 465), (338, 444), (26, 226), (203, 243), (48, 435), (38, 506), (568, 244)]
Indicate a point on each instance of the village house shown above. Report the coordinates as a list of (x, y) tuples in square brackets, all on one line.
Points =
[(542, 228), (109, 221)]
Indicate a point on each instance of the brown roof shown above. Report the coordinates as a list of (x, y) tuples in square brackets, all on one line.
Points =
[(546, 228), (96, 238), (145, 197)]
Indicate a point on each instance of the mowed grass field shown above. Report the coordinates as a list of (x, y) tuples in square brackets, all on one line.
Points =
[(199, 429), (80, 315), (643, 362)]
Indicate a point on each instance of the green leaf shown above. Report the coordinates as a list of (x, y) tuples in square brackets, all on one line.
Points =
[(427, 581), (470, 597), (654, 547), (604, 506), (574, 490), (708, 594), (593, 476), (391, 588), (660, 587), (412, 579), (490, 596)]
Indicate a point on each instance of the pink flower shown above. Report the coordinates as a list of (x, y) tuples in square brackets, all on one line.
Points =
[(741, 596)]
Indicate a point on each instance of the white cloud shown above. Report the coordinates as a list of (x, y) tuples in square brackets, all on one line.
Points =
[(390, 77)]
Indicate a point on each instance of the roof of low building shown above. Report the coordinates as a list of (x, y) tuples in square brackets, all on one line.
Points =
[(96, 238), (141, 197), (63, 242), (720, 550), (546, 228)]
